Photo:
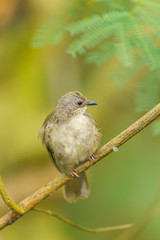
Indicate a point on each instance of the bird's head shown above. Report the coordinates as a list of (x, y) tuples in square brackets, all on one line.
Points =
[(71, 104)]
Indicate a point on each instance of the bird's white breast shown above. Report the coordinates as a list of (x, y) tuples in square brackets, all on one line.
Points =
[(75, 141), (73, 132)]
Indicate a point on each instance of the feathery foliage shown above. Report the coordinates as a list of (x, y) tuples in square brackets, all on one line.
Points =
[(95, 31), (105, 52), (123, 45), (103, 29), (51, 31)]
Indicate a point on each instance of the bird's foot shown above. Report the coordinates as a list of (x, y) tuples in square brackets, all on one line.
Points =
[(74, 173), (92, 158)]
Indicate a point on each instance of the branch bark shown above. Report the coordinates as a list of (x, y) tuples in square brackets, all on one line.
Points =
[(31, 201)]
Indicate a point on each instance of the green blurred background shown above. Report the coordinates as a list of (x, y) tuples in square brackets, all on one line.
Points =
[(31, 81)]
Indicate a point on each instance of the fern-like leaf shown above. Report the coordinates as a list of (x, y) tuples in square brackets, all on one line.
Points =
[(123, 45), (90, 39), (104, 52), (144, 44), (96, 21), (94, 31), (149, 18), (50, 32)]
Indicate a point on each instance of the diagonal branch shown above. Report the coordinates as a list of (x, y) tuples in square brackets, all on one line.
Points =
[(31, 201)]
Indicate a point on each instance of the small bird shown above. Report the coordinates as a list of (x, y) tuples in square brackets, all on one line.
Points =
[(71, 137)]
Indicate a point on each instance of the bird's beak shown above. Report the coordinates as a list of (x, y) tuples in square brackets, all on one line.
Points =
[(91, 103)]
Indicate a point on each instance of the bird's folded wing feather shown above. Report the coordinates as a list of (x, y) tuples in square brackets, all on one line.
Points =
[(41, 134)]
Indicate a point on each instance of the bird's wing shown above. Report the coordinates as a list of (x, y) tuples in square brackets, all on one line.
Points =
[(41, 134)]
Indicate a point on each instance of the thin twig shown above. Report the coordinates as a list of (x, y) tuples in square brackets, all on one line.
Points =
[(9, 201), (57, 183), (90, 230)]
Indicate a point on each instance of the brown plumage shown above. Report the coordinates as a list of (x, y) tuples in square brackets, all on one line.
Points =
[(71, 136)]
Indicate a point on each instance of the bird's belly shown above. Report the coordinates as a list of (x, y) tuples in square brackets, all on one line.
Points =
[(74, 142)]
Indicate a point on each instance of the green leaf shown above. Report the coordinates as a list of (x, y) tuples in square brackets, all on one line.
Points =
[(50, 32), (144, 44), (149, 18), (95, 22), (104, 52), (123, 46), (90, 39), (95, 29)]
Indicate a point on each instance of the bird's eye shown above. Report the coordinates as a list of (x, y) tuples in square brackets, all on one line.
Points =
[(79, 103)]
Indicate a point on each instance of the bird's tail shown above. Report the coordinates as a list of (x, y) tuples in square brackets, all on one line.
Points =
[(76, 188)]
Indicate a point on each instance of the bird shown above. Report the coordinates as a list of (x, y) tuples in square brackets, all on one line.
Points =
[(71, 137)]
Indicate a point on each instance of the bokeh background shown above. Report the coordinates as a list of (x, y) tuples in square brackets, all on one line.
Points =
[(31, 81)]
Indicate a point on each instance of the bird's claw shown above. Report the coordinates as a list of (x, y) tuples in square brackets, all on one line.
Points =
[(73, 173), (92, 158)]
